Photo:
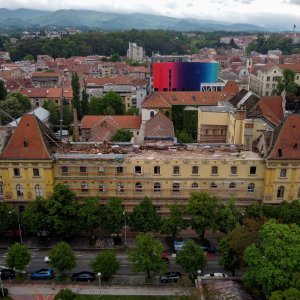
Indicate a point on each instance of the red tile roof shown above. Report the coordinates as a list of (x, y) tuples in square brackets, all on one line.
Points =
[(159, 126), (286, 140), (293, 67), (27, 141), (271, 108), (126, 122)]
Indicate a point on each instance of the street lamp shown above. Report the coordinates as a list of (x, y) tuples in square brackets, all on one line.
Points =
[(19, 224), (124, 214), (99, 275), (1, 285)]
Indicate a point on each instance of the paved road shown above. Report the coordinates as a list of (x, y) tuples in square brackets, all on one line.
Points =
[(84, 259)]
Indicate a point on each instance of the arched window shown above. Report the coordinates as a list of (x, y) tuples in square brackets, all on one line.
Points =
[(176, 187), (84, 187), (151, 113), (251, 188), (213, 185), (102, 187), (138, 187), (232, 185), (38, 190), (280, 192), (120, 187), (19, 190), (156, 187), (194, 185)]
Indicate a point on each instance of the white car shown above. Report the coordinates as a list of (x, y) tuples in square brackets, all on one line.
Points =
[(216, 275), (46, 259)]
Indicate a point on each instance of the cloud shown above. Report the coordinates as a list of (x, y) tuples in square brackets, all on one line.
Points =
[(297, 2), (244, 1)]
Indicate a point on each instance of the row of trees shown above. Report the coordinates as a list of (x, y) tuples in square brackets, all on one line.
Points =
[(266, 243)]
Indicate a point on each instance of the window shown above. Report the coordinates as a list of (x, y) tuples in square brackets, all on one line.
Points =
[(283, 173), (268, 78), (38, 190), (233, 170), (213, 185), (19, 190), (102, 187), (176, 187), (138, 187), (156, 187), (84, 187), (251, 188), (17, 172), (101, 169), (232, 185), (214, 170), (279, 151), (195, 170), (120, 187), (137, 170), (252, 170), (82, 169), (176, 170), (119, 170), (194, 185), (280, 192), (1, 188), (156, 170), (64, 169), (36, 172)]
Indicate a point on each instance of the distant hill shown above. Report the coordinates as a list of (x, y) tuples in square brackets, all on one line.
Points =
[(113, 21)]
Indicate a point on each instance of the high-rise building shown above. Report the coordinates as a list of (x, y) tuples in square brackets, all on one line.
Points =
[(135, 52)]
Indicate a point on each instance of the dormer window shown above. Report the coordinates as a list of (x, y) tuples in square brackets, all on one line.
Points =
[(279, 152), (25, 143)]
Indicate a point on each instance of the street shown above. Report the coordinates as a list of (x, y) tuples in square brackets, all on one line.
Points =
[(84, 259)]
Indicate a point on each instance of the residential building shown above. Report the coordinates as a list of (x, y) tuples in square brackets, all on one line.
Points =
[(135, 52), (45, 79)]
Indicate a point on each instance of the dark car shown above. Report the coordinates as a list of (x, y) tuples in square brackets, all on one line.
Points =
[(84, 276), (7, 274), (170, 277), (42, 274)]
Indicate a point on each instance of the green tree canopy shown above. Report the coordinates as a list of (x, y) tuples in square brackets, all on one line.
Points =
[(4, 217), (107, 263), (3, 91), (18, 257), (62, 258), (203, 208), (54, 115), (191, 257), (146, 257), (289, 294), (133, 111), (273, 262), (65, 294), (76, 94), (110, 104), (144, 217), (122, 135), (113, 218), (287, 82), (84, 102)]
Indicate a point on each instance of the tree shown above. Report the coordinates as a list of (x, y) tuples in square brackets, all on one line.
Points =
[(107, 263), (35, 216), (76, 94), (4, 217), (184, 137), (65, 294), (175, 222), (110, 104), (90, 215), (3, 91), (113, 218), (122, 135), (54, 115), (203, 207), (18, 257), (289, 294), (228, 257), (144, 217), (84, 102), (191, 257), (274, 260), (15, 104), (62, 258), (227, 216), (133, 111), (63, 211), (287, 82), (146, 257)]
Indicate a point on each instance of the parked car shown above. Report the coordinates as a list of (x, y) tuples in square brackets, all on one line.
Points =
[(83, 276), (7, 274), (219, 275), (42, 274), (170, 277)]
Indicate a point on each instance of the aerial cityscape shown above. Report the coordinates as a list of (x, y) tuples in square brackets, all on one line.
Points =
[(150, 150)]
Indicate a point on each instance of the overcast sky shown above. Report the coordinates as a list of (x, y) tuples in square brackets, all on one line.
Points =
[(260, 12)]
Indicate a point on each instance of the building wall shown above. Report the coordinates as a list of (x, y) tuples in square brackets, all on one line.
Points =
[(183, 76)]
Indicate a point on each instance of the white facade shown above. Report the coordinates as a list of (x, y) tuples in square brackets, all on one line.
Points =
[(135, 52)]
